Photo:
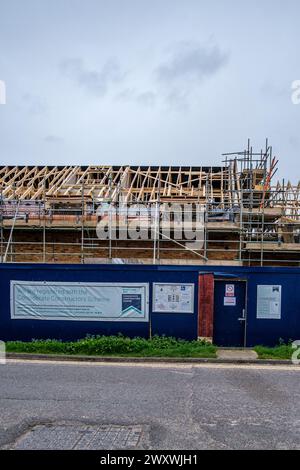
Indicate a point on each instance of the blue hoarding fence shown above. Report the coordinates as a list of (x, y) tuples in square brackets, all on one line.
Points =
[(263, 311)]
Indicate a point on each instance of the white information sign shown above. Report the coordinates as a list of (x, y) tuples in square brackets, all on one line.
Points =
[(173, 298), (88, 301), (269, 302), (230, 301)]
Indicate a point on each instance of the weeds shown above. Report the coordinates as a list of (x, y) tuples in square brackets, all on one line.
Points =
[(117, 346)]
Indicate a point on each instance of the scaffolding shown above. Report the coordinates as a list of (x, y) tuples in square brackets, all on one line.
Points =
[(53, 214)]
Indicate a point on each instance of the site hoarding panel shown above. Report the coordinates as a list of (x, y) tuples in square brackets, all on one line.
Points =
[(172, 297), (78, 301), (268, 302)]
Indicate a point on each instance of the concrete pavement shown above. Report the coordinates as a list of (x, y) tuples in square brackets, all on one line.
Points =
[(180, 406), (237, 354)]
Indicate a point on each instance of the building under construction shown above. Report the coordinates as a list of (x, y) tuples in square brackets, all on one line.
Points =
[(50, 214)]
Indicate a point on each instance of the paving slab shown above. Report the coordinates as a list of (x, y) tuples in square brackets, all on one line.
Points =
[(237, 354)]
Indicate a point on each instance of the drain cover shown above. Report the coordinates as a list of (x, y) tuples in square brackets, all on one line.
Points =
[(81, 437)]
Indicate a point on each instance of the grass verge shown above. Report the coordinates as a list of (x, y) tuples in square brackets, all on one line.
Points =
[(117, 346), (282, 351)]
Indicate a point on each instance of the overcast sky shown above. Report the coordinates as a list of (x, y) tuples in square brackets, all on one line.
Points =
[(157, 82)]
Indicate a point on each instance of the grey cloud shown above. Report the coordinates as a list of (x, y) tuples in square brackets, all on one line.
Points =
[(53, 139), (274, 90), (127, 94), (34, 104), (145, 98), (294, 142), (95, 81), (192, 61), (177, 99), (187, 66), (148, 98)]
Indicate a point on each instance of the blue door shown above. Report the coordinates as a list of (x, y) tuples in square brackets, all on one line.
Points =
[(229, 313)]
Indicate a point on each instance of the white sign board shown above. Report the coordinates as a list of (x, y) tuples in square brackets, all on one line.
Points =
[(229, 290), (268, 302), (230, 301), (173, 298), (78, 301)]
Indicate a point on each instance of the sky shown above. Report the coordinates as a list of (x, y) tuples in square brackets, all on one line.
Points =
[(148, 82)]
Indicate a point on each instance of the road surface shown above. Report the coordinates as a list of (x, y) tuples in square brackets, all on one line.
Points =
[(148, 406)]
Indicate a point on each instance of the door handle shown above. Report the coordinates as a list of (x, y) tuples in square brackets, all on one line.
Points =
[(243, 317)]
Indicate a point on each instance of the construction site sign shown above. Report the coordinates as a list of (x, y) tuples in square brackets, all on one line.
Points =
[(269, 302), (173, 298), (78, 301), (230, 301), (229, 290)]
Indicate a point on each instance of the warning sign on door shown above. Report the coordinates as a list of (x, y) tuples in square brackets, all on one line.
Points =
[(229, 301), (229, 290)]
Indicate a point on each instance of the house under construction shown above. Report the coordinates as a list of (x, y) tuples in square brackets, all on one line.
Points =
[(50, 214)]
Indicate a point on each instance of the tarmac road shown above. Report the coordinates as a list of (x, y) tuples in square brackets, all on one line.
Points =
[(183, 406)]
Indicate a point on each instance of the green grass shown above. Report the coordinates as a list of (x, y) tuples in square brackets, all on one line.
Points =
[(282, 351), (117, 346)]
